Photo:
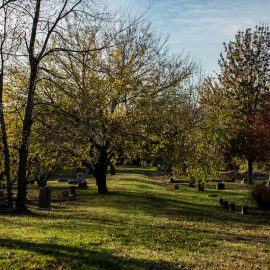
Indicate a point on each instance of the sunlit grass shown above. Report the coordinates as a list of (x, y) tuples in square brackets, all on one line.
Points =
[(141, 224)]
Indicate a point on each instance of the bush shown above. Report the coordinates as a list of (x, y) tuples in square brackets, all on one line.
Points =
[(261, 195)]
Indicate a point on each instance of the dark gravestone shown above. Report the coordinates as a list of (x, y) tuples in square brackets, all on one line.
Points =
[(176, 186), (232, 207), (83, 185), (233, 179), (73, 191), (221, 202), (201, 186), (65, 194), (225, 205), (1, 194), (244, 209), (2, 200), (191, 183), (220, 186), (45, 198)]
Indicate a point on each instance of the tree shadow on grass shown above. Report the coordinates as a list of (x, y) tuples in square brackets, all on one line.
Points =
[(175, 208), (151, 204), (78, 258)]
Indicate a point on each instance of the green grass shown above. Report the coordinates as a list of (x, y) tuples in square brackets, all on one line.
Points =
[(142, 224)]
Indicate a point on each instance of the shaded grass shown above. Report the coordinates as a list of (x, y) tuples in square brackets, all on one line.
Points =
[(141, 224)]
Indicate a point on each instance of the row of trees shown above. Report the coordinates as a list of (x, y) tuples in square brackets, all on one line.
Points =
[(240, 94), (228, 121), (79, 87)]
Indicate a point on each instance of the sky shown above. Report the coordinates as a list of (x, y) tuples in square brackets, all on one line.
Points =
[(199, 27)]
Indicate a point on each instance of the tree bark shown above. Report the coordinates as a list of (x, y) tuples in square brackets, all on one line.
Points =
[(23, 152), (100, 171), (27, 122), (6, 149)]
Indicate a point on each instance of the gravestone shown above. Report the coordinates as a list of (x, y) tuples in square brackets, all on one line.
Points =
[(176, 186), (2, 201), (225, 205), (244, 209), (80, 177), (82, 185), (221, 201), (220, 186), (201, 186), (1, 194), (232, 207), (191, 182), (45, 198), (73, 191), (65, 194)]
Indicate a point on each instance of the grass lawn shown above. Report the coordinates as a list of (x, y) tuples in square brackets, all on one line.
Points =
[(142, 224)]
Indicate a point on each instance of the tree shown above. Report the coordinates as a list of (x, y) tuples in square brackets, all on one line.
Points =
[(244, 80), (106, 99), (47, 19), (9, 41)]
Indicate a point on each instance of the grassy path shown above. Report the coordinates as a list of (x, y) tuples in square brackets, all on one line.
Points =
[(142, 224)]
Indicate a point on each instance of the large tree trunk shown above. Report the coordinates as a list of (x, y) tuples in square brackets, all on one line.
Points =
[(23, 152), (27, 122), (22, 180), (100, 170)]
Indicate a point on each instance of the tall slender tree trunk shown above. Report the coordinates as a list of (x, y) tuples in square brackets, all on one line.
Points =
[(27, 122), (5, 144), (23, 152)]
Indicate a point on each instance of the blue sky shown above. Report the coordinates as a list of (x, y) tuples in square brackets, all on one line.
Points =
[(199, 27)]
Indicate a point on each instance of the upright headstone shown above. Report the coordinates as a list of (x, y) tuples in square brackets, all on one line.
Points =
[(45, 198), (82, 185), (65, 194), (225, 205), (221, 201), (80, 177), (201, 186), (244, 209), (73, 191), (1, 194), (220, 186), (232, 207), (191, 182)]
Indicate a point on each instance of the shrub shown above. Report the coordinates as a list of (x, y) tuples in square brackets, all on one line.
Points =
[(261, 195)]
